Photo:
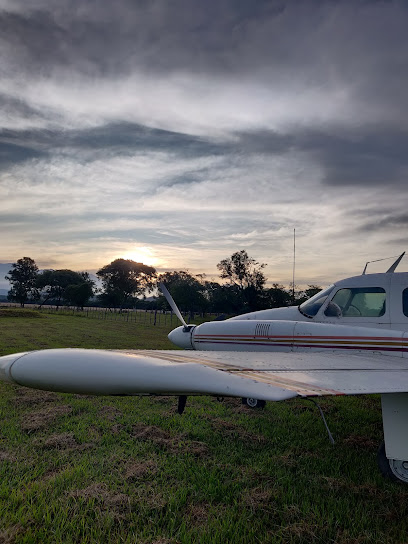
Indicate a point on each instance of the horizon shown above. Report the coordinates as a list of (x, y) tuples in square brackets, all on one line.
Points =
[(378, 266)]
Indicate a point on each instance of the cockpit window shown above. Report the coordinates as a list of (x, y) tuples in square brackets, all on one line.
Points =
[(313, 305), (357, 302)]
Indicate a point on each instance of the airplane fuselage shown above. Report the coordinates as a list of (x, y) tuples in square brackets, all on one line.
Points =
[(363, 313), (284, 336)]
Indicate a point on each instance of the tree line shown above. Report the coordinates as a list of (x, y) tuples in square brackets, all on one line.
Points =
[(125, 284)]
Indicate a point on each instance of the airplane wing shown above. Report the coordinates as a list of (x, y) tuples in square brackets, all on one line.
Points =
[(265, 376)]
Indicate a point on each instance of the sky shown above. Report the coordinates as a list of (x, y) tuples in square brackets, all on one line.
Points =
[(177, 133)]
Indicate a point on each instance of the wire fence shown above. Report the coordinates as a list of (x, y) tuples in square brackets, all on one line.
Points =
[(147, 317)]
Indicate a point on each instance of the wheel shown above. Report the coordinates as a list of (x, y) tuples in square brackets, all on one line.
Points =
[(253, 403), (392, 468)]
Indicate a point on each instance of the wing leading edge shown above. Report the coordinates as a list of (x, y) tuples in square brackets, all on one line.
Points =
[(266, 376)]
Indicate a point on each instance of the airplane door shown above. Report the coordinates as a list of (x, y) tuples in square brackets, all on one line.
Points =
[(399, 301)]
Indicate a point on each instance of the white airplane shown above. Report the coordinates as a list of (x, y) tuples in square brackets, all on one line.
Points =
[(351, 338)]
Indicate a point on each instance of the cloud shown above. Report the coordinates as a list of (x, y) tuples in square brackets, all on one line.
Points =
[(193, 128)]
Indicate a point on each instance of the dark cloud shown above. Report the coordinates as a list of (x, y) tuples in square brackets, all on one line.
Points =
[(135, 137), (118, 138), (99, 37), (331, 38), (385, 222), (264, 141), (12, 106), (13, 154), (372, 155)]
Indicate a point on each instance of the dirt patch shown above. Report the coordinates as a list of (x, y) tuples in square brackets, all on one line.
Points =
[(158, 436), (64, 441), (198, 514), (115, 503), (31, 397), (232, 401), (148, 496), (365, 490), (6, 456), (163, 400), (164, 440), (302, 530), (8, 536), (150, 432), (361, 442), (35, 421), (110, 413), (196, 448), (235, 431), (260, 499), (335, 483), (286, 459), (117, 428), (141, 470)]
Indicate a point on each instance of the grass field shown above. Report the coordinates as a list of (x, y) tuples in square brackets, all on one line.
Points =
[(131, 470)]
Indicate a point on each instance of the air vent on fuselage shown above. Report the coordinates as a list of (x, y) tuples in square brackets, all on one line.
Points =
[(262, 329)]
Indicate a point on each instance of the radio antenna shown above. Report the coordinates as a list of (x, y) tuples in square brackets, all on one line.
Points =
[(294, 263), (392, 267)]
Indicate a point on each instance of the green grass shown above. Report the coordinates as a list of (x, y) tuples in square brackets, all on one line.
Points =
[(123, 470)]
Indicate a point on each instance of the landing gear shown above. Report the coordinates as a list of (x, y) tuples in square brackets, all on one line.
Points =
[(394, 469), (253, 403), (393, 453)]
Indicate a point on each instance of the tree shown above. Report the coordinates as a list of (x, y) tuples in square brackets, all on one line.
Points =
[(302, 296), (277, 296), (78, 294), (223, 299), (22, 277), (246, 274), (188, 291), (65, 286), (124, 278)]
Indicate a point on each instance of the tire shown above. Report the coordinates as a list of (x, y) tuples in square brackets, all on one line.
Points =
[(253, 403), (393, 469)]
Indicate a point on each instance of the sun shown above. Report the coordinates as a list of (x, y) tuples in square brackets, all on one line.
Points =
[(145, 255)]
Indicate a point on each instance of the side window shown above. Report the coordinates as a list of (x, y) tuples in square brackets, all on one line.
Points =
[(405, 301), (359, 302)]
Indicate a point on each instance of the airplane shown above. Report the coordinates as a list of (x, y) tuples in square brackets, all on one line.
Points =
[(351, 338)]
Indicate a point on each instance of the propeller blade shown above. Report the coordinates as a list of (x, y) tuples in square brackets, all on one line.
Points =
[(173, 305)]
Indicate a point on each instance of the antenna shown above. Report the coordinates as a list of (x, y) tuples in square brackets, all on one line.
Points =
[(392, 267), (294, 261)]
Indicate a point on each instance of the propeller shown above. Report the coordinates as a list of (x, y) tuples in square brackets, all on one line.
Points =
[(173, 305)]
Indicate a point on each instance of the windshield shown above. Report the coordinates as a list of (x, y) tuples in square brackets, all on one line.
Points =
[(313, 305)]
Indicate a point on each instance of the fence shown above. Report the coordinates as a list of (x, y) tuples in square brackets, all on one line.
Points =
[(150, 317)]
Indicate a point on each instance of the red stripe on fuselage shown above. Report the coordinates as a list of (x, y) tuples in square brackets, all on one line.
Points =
[(379, 338)]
